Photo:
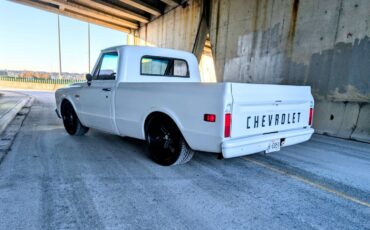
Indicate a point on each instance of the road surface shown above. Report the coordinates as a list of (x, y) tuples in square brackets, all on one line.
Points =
[(50, 180)]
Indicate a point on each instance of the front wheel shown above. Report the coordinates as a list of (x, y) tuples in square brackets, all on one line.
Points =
[(71, 122), (166, 144)]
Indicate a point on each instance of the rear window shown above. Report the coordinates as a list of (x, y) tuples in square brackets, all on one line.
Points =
[(163, 66)]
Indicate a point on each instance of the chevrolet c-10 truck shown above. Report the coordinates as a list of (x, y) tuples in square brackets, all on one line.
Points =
[(156, 95)]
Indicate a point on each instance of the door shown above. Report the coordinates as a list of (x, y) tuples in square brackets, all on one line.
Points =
[(96, 99)]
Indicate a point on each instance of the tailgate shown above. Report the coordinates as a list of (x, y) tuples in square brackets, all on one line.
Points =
[(261, 109)]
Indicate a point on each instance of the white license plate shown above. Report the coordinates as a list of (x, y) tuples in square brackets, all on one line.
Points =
[(274, 146)]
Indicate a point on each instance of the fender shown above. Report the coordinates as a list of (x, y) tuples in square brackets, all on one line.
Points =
[(168, 112), (69, 99), (66, 94)]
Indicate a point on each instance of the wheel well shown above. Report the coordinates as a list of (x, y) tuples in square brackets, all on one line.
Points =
[(158, 116)]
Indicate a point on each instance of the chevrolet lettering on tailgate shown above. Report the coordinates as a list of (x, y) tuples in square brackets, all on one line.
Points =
[(269, 120)]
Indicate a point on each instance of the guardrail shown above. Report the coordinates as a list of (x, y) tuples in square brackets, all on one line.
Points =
[(43, 81)]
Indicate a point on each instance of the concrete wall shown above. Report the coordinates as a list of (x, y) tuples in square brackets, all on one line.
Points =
[(324, 44), (177, 29)]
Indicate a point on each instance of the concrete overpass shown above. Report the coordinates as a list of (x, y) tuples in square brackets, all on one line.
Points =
[(324, 44)]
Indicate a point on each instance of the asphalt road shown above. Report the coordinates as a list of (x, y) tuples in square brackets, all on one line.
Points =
[(50, 180)]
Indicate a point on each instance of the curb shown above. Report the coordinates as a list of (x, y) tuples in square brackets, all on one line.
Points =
[(9, 116)]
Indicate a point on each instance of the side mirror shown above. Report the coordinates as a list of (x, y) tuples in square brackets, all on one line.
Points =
[(88, 79)]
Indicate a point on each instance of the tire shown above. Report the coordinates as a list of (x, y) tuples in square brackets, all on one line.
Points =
[(71, 122), (166, 144)]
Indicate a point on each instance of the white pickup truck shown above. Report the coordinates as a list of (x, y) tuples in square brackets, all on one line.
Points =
[(156, 95)]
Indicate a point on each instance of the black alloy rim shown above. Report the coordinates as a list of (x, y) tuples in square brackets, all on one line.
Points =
[(164, 144)]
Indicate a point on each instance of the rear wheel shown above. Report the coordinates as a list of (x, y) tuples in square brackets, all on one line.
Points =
[(71, 122), (166, 144)]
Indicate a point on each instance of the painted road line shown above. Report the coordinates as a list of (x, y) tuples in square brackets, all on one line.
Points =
[(306, 181)]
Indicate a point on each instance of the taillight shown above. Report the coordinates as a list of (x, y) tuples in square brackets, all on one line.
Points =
[(210, 117), (227, 124), (310, 117)]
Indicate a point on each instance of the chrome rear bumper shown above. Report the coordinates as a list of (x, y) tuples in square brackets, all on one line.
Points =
[(249, 145)]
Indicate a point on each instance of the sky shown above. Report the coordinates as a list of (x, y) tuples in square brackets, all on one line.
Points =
[(29, 40)]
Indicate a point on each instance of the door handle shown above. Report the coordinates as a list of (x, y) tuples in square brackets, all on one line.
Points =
[(107, 89)]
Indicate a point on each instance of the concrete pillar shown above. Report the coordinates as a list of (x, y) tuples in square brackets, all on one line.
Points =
[(133, 38)]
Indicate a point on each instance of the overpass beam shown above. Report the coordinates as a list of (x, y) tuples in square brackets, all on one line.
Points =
[(72, 15), (170, 2), (112, 9), (92, 13), (142, 6)]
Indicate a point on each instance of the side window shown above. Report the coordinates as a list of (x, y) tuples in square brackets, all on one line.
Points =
[(107, 69), (180, 68), (163, 66)]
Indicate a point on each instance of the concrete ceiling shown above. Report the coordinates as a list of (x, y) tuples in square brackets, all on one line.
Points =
[(122, 15)]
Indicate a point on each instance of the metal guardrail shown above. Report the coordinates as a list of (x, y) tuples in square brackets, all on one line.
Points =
[(37, 80)]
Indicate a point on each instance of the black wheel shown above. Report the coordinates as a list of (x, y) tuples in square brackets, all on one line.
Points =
[(166, 144), (71, 122)]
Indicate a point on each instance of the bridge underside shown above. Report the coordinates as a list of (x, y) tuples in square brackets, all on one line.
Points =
[(122, 15), (324, 44)]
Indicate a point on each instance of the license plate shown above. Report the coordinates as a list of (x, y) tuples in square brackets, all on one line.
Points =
[(274, 146)]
